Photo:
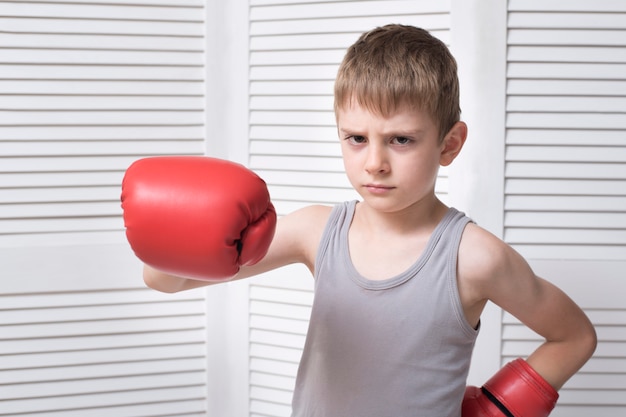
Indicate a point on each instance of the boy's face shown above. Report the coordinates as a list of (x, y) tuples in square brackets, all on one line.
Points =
[(392, 162)]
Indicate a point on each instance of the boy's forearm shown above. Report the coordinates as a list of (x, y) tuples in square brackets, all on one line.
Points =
[(530, 387), (167, 283), (558, 361)]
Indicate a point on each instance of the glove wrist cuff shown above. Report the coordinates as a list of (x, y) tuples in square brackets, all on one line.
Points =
[(521, 390)]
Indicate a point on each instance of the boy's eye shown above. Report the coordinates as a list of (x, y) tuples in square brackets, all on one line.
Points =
[(400, 140), (356, 139)]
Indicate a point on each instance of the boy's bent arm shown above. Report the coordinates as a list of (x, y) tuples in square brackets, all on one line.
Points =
[(489, 269), (295, 240), (570, 336)]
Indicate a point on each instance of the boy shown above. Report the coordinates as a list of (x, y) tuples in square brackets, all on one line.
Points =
[(400, 279)]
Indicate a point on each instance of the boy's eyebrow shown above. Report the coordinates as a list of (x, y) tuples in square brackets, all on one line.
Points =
[(349, 131), (391, 132)]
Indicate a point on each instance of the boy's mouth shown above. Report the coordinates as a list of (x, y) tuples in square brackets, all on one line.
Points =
[(378, 188)]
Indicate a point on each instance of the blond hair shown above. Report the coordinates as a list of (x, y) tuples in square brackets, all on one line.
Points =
[(397, 65)]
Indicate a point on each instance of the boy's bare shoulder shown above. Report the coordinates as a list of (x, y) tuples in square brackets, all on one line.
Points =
[(313, 217), (302, 230), (484, 258), (308, 223)]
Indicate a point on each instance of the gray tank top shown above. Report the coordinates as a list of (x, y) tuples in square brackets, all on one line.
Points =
[(400, 347)]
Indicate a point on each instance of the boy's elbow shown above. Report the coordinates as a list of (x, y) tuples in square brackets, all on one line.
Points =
[(585, 343), (590, 341), (161, 282), (155, 285)]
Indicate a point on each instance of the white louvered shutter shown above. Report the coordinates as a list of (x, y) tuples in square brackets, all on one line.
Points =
[(127, 352), (86, 87), (295, 50), (565, 194)]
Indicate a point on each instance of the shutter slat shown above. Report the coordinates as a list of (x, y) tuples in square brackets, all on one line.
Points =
[(567, 120), (576, 54), (565, 104), (27, 24), (296, 148), (565, 251), (593, 71), (319, 195), (267, 408), (436, 22), (94, 147), (318, 103), (304, 178), (569, 153), (102, 57), (52, 102), (547, 236), (99, 11), (570, 6), (103, 42), (278, 353), (273, 381), (89, 356), (564, 137), (83, 163), (577, 220), (316, 41), (165, 3), (298, 118), (113, 133), (105, 401), (566, 203), (104, 342), (187, 408), (30, 228), (74, 194), (291, 88), (331, 10), (90, 386), (99, 118), (272, 367), (272, 308), (596, 20), (565, 37), (90, 209), (565, 171), (278, 396), (297, 163), (119, 88), (293, 72), (541, 186), (294, 133)]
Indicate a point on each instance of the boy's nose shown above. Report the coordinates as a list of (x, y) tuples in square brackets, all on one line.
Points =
[(376, 160)]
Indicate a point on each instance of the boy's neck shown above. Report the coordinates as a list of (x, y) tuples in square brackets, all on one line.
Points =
[(383, 245), (422, 215)]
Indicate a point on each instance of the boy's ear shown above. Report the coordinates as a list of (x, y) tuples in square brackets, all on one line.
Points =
[(453, 143)]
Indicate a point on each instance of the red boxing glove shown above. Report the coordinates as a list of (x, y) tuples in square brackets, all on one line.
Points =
[(196, 217), (517, 390)]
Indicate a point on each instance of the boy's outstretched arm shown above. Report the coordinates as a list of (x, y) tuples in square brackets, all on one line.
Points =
[(295, 241), (195, 221), (491, 270)]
